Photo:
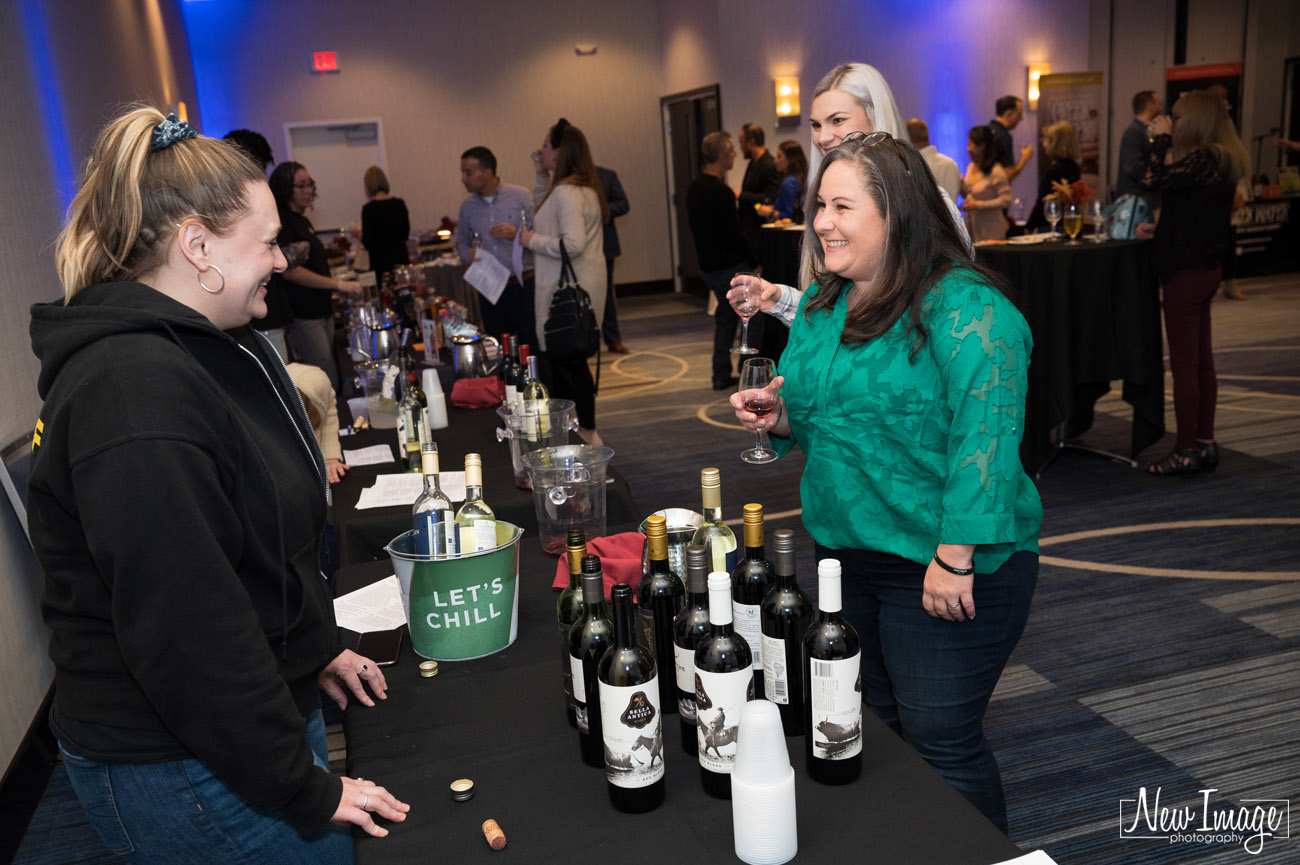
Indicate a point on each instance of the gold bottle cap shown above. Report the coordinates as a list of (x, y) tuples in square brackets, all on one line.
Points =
[(710, 477), (656, 534), (428, 669), (753, 523), (711, 488), (462, 789)]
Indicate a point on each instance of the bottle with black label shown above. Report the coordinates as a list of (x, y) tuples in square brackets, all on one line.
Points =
[(590, 636), (690, 628), (568, 608), (714, 534), (630, 720), (749, 584), (660, 596), (786, 614), (833, 690), (724, 683)]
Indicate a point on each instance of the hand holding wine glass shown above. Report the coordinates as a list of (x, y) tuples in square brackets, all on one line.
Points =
[(757, 394), (744, 296)]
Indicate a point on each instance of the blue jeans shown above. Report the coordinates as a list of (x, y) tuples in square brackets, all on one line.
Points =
[(179, 813), (930, 679), (312, 340)]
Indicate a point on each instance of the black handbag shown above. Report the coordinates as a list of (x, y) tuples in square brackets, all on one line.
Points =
[(571, 329)]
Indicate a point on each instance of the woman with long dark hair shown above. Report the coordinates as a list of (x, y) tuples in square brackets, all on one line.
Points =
[(1192, 240), (793, 165), (904, 385), (309, 285), (571, 214), (985, 188)]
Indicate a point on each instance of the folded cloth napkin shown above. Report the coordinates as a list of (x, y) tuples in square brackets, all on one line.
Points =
[(620, 560), (475, 393)]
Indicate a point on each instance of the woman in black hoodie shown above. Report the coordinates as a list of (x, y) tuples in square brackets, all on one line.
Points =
[(177, 498)]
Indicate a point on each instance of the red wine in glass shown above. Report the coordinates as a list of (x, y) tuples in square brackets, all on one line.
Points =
[(760, 406)]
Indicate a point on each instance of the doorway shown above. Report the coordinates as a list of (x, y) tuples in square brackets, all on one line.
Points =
[(687, 118), (337, 154)]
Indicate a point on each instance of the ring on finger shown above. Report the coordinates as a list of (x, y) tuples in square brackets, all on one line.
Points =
[(956, 606)]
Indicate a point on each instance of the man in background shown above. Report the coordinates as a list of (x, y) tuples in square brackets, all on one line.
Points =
[(719, 244), (761, 185), (1134, 145), (945, 170), (1010, 111), (488, 221), (618, 205)]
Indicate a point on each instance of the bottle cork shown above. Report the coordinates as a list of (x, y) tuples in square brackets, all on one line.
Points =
[(495, 837)]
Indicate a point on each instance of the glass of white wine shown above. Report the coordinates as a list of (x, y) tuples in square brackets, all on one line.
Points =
[(745, 302), (1097, 218), (1052, 212), (1073, 223)]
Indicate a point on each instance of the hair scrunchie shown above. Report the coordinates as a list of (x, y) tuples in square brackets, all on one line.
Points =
[(170, 131)]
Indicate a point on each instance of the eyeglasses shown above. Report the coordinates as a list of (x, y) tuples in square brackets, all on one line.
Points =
[(310, 184), (871, 139)]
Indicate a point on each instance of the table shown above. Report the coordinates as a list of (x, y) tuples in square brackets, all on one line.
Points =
[(363, 534), (500, 721), (1094, 312)]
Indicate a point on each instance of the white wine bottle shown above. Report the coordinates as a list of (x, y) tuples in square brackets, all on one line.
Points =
[(713, 534), (434, 520), (630, 720), (724, 683), (832, 686), (535, 395), (476, 524)]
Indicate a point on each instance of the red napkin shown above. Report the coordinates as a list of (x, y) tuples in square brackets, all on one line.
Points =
[(475, 393), (620, 559)]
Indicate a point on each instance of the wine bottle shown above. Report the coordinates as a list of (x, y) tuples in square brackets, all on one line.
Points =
[(787, 612), (434, 521), (690, 627), (521, 384), (833, 686), (724, 682), (535, 396), (506, 368), (630, 720), (750, 581), (476, 524), (415, 421), (713, 534), (568, 609), (660, 596), (589, 637)]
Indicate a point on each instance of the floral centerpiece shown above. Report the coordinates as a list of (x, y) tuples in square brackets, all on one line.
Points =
[(1077, 192)]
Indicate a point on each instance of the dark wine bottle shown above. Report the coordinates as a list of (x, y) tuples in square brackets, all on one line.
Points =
[(833, 686), (724, 682), (630, 720), (568, 608), (786, 614), (506, 368), (590, 636), (690, 628), (750, 580), (660, 596)]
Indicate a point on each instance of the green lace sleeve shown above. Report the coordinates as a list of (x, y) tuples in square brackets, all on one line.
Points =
[(981, 345)]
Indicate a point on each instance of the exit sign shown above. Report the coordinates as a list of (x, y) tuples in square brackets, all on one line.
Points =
[(325, 61)]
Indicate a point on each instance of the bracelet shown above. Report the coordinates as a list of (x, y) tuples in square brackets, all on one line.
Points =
[(961, 572)]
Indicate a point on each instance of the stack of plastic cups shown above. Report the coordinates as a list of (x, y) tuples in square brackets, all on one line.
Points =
[(436, 398), (762, 789)]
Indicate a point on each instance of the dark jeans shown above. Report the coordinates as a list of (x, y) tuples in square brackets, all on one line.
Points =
[(512, 313), (725, 320), (609, 321), (1187, 295), (930, 679), (572, 380)]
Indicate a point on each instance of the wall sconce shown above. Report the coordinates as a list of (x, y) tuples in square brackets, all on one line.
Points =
[(787, 101), (584, 49), (1036, 71)]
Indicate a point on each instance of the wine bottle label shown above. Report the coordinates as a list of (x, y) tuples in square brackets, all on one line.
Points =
[(745, 619), (684, 661), (435, 533), (776, 681), (579, 693), (479, 535), (723, 559), (646, 615), (719, 697), (632, 727), (836, 707)]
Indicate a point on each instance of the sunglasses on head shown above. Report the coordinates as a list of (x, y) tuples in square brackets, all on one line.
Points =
[(871, 139)]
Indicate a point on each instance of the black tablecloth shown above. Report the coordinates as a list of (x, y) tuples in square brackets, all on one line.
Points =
[(363, 534), (1094, 311), (500, 721)]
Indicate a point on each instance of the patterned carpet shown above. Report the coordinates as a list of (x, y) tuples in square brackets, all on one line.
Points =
[(1163, 650)]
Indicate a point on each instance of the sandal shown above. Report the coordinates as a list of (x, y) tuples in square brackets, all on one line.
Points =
[(1181, 461), (1209, 453)]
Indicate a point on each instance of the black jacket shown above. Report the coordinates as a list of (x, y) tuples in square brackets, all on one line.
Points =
[(177, 498)]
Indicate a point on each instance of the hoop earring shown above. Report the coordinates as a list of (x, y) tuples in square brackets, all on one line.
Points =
[(220, 274)]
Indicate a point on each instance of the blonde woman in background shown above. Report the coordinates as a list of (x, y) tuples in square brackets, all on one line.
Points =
[(1061, 146)]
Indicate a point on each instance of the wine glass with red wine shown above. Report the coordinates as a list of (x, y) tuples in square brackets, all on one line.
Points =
[(756, 376), (745, 302)]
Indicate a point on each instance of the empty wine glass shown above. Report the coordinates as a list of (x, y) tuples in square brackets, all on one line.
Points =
[(1052, 212), (745, 302), (1097, 218), (756, 375)]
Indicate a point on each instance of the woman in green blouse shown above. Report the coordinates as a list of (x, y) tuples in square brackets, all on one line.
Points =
[(904, 384)]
